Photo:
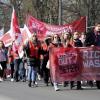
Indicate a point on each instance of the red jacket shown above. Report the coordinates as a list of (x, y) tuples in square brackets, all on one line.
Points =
[(34, 50)]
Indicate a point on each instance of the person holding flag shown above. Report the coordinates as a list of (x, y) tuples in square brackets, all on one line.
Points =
[(66, 39), (17, 45), (56, 43), (76, 42)]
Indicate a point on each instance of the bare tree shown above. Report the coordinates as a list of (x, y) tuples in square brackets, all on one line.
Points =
[(73, 9), (5, 11), (47, 10)]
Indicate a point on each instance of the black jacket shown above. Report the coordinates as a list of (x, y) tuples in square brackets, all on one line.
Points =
[(92, 39), (78, 43)]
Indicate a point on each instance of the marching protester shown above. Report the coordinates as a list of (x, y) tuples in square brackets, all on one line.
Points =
[(66, 41), (37, 58), (3, 61), (76, 40), (93, 39), (76, 43), (11, 62), (44, 59), (17, 60), (32, 51), (83, 38), (66, 38), (56, 42)]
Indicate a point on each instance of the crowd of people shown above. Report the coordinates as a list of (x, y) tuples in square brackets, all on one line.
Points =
[(36, 57)]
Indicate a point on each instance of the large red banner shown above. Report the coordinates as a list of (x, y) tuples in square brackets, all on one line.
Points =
[(43, 29), (67, 64)]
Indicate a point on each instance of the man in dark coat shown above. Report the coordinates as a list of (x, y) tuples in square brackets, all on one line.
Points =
[(93, 39)]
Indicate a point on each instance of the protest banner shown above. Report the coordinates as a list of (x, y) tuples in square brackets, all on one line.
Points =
[(67, 64), (43, 29), (91, 63)]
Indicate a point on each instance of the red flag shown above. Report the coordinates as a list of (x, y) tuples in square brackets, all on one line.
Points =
[(80, 25), (15, 30), (16, 34)]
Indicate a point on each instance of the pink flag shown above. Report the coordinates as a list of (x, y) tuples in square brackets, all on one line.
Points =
[(6, 38), (26, 34)]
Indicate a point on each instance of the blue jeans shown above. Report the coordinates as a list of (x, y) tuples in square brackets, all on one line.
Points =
[(22, 71), (17, 63), (32, 73)]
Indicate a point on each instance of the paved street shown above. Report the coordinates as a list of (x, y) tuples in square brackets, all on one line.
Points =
[(20, 91)]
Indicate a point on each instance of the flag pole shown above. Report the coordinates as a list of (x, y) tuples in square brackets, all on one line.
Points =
[(86, 24), (60, 12)]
